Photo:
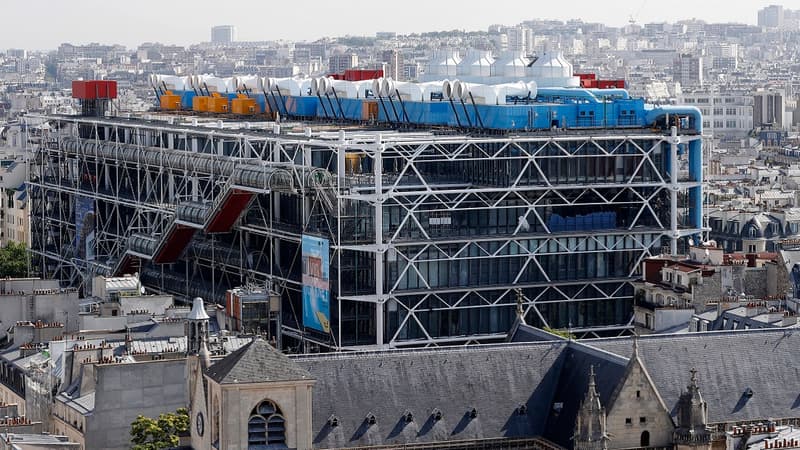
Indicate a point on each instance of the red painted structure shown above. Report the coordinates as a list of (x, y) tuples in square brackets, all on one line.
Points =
[(590, 81), (94, 89), (358, 74), (223, 218)]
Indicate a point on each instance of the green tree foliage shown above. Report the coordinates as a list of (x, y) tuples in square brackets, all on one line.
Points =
[(13, 260), (156, 434)]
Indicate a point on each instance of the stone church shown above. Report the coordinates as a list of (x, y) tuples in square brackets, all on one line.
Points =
[(536, 391)]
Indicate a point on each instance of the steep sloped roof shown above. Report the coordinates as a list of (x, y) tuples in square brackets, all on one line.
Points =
[(256, 362)]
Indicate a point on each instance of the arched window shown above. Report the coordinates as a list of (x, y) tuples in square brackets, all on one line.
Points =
[(215, 422), (266, 427), (645, 441)]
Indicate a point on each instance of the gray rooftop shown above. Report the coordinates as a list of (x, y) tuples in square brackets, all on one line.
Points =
[(494, 380), (728, 363), (256, 362)]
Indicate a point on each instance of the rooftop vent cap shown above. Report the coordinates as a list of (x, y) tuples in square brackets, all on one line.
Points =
[(473, 413), (436, 414), (371, 420), (333, 421), (407, 416)]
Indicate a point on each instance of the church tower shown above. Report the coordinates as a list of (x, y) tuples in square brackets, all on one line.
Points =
[(197, 362), (692, 433), (590, 426), (196, 328)]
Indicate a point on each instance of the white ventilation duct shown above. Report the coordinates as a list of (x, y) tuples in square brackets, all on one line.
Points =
[(196, 81), (447, 88), (377, 85), (518, 89), (249, 82), (294, 87), (220, 85), (430, 88), (482, 94), (342, 88), (318, 86), (410, 92), (171, 82), (362, 87), (387, 88)]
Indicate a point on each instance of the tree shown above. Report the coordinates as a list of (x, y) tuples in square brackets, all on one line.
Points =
[(156, 434), (14, 260)]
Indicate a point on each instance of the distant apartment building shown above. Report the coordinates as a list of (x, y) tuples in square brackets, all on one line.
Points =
[(223, 34), (340, 63), (393, 64), (769, 109), (688, 70), (771, 17), (727, 113)]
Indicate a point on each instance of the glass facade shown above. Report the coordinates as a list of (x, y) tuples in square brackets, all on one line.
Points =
[(434, 238)]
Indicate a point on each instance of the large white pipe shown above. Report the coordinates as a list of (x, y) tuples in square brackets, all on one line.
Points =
[(518, 89), (343, 89), (305, 86), (430, 88), (482, 94), (289, 86), (388, 87), (377, 86), (362, 87), (249, 82), (409, 92), (172, 83), (447, 89), (315, 86), (216, 84)]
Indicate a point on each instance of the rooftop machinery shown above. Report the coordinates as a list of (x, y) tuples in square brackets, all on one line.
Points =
[(511, 106)]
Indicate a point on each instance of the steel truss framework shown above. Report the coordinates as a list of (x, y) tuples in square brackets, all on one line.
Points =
[(434, 239)]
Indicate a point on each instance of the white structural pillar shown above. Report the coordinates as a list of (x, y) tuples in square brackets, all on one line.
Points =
[(381, 251), (340, 181), (673, 203)]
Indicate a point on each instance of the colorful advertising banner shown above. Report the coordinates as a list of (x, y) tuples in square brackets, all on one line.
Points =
[(316, 283), (84, 228)]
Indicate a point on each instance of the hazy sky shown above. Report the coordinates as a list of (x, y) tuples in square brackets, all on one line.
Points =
[(44, 24)]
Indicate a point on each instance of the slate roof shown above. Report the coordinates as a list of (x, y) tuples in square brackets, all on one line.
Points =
[(256, 362), (727, 363), (521, 332), (493, 379), (573, 382)]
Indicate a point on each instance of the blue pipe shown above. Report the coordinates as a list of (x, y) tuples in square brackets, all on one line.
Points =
[(568, 93), (695, 154), (612, 92)]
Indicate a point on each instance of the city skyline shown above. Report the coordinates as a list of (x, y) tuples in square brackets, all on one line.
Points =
[(172, 23)]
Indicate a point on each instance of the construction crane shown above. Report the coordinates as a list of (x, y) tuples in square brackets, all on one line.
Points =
[(632, 18)]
